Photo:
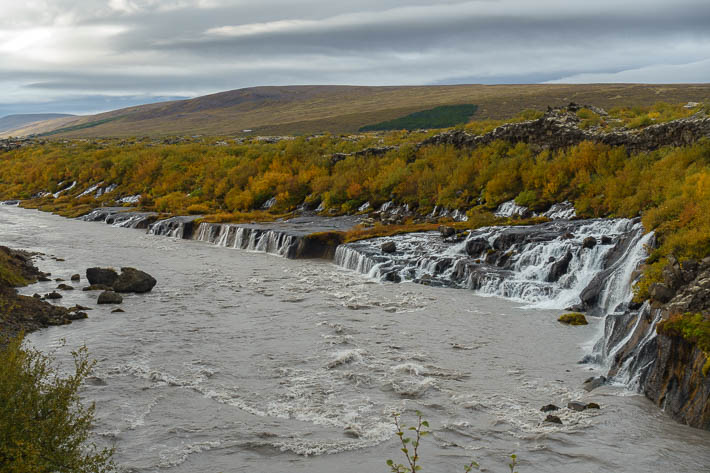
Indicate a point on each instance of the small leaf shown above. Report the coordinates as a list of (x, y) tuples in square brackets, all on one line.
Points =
[(425, 424), (404, 450), (390, 462)]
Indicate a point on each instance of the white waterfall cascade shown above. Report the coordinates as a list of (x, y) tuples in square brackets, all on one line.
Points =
[(247, 238), (518, 263), (173, 227), (524, 276)]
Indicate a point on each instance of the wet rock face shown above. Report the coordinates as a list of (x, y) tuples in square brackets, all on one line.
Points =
[(389, 247), (668, 370), (559, 128), (676, 383), (134, 280), (109, 297), (559, 267), (534, 263), (105, 276)]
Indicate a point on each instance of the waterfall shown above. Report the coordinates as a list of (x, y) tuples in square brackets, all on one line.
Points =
[(248, 237), (349, 258), (175, 227), (587, 265), (516, 262)]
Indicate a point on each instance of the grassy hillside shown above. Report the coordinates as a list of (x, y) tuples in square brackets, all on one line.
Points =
[(12, 122), (345, 109), (438, 117)]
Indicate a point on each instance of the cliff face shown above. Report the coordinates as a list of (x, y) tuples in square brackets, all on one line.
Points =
[(559, 128), (676, 383), (668, 367)]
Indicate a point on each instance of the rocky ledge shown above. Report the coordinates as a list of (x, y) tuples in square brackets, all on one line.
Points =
[(661, 351), (559, 128), (22, 313)]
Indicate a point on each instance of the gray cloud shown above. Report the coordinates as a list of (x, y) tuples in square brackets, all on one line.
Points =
[(91, 56)]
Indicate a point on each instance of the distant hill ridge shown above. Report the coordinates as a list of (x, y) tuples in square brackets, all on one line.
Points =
[(345, 109), (12, 122)]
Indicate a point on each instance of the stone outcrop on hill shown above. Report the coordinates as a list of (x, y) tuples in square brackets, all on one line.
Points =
[(559, 128)]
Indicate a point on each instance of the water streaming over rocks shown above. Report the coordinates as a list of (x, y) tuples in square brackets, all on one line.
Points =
[(239, 361), (587, 265), (550, 264)]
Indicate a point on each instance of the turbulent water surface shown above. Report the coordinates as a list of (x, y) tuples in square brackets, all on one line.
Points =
[(241, 361)]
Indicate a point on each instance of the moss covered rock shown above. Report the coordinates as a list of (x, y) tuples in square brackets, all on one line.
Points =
[(573, 318)]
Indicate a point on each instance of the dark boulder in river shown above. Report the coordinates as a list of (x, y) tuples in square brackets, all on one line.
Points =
[(134, 280), (559, 268), (109, 297), (389, 247), (105, 276), (553, 419)]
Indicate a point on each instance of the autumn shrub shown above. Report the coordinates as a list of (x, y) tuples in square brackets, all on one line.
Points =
[(198, 209), (44, 426), (668, 187)]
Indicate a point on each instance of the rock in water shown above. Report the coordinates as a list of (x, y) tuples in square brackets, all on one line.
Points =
[(553, 419), (77, 315), (389, 247), (549, 408), (97, 287), (593, 383), (65, 287), (576, 406), (134, 280), (53, 295), (76, 277), (559, 268), (589, 242), (573, 318), (109, 297), (105, 276), (446, 231), (593, 405)]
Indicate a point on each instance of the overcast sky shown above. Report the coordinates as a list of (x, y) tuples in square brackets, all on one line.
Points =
[(85, 56)]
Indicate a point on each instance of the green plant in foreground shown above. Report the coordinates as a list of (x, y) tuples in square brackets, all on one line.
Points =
[(410, 448), (513, 463), (44, 427), (412, 455)]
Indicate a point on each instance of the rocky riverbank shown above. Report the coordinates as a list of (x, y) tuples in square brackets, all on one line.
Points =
[(22, 313)]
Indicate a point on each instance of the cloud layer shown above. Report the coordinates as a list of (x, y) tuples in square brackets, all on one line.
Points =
[(85, 56)]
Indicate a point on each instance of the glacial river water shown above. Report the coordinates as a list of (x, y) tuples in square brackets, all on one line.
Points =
[(247, 362)]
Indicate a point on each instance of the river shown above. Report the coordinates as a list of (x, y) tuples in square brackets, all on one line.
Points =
[(246, 362)]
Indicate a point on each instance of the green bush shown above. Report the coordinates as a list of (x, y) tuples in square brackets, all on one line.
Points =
[(44, 427)]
